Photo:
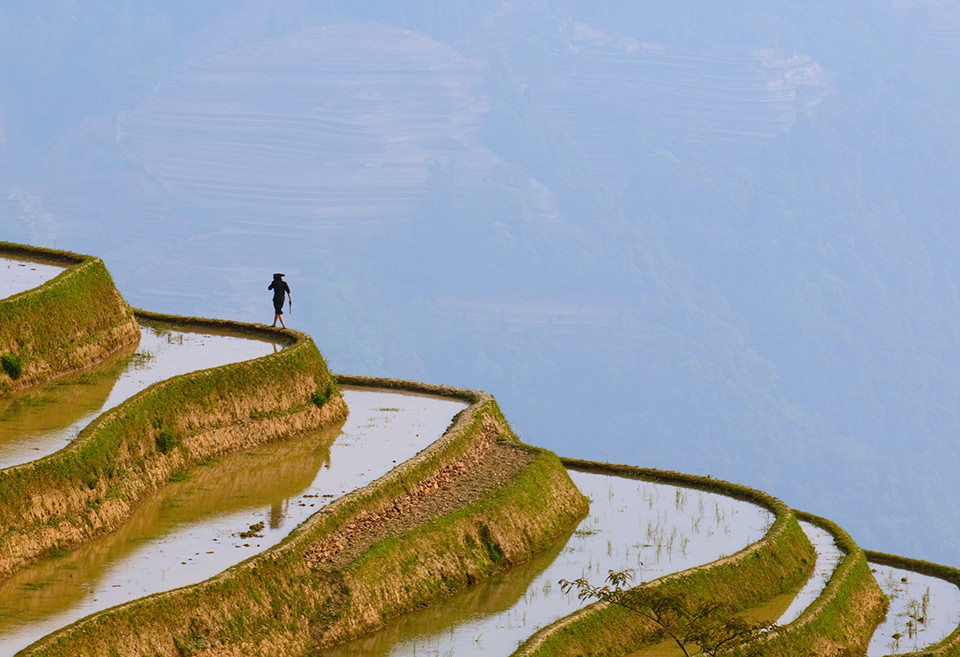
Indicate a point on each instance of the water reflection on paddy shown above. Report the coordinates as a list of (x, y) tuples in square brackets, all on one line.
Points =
[(653, 529), (923, 611), (191, 530), (21, 275), (43, 419)]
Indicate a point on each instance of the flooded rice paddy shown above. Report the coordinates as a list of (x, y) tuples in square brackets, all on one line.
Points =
[(44, 419), (228, 510), (223, 513), (923, 611), (653, 529), (18, 276)]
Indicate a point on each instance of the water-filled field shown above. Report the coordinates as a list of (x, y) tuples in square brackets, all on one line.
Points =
[(923, 610), (42, 420), (20, 275), (221, 514), (227, 510), (650, 528)]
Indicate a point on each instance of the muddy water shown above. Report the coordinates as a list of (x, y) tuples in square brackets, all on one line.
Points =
[(192, 529), (653, 529), (42, 420), (20, 275), (923, 611)]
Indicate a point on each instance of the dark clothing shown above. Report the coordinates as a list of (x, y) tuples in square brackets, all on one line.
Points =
[(280, 288)]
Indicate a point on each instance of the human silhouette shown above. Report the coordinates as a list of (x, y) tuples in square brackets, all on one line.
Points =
[(279, 287)]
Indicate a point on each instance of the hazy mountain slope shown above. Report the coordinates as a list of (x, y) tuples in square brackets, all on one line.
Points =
[(333, 124), (718, 239)]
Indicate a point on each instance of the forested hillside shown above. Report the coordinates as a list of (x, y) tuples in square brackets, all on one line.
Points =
[(716, 238)]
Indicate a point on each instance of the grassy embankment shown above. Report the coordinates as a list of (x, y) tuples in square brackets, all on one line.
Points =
[(842, 619), (71, 322), (776, 564), (292, 599), (950, 645), (88, 488)]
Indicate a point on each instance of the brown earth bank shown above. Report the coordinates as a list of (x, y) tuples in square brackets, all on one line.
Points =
[(487, 466)]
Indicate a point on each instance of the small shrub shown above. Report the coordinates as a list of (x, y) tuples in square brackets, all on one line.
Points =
[(12, 365), (712, 627), (494, 551), (166, 441), (321, 397), (91, 479)]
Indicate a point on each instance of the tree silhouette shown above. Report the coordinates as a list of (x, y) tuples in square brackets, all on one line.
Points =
[(712, 627)]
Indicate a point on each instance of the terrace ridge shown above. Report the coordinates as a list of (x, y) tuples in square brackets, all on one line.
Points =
[(413, 516)]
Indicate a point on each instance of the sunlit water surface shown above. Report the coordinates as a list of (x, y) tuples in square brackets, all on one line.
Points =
[(191, 530), (652, 529), (21, 275), (828, 558), (923, 611), (44, 419)]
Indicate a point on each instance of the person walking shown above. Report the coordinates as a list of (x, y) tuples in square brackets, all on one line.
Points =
[(280, 288)]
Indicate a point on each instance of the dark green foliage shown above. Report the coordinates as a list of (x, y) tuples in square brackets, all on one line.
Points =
[(494, 551), (91, 479), (166, 441), (322, 396), (12, 365)]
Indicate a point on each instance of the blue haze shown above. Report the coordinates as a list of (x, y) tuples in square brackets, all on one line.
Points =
[(713, 237)]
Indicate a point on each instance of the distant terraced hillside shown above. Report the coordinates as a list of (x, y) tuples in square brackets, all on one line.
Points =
[(337, 124), (355, 123), (614, 89), (940, 24)]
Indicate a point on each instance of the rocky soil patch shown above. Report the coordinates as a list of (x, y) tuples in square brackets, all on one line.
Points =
[(486, 467)]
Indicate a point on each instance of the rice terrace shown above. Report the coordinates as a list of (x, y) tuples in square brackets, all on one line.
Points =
[(187, 486)]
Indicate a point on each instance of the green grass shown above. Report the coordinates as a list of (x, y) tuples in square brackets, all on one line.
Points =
[(263, 598), (76, 312), (141, 434)]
